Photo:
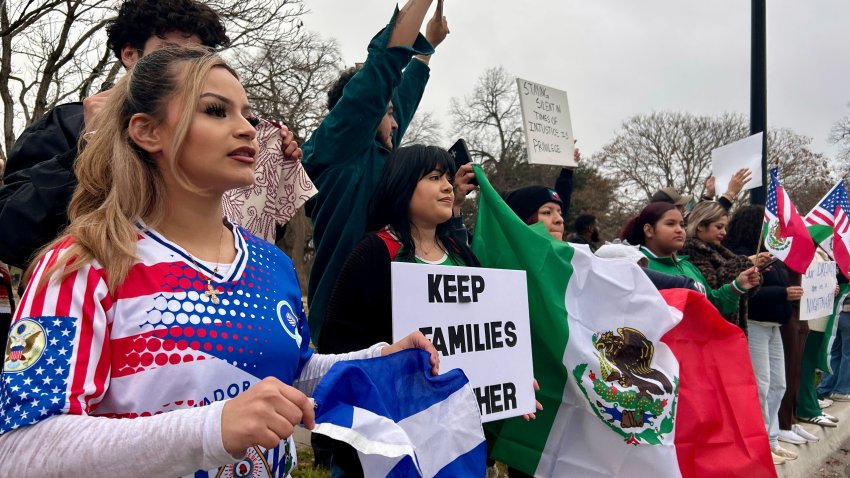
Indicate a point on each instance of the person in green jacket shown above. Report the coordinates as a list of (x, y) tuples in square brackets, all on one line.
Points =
[(370, 107), (660, 231)]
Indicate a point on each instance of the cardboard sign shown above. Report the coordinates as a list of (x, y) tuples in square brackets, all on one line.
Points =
[(727, 160), (477, 320), (818, 290), (546, 121)]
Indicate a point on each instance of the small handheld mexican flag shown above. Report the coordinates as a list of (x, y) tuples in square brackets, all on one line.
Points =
[(632, 383), (829, 225), (785, 234)]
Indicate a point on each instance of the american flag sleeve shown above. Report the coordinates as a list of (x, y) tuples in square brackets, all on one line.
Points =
[(57, 358)]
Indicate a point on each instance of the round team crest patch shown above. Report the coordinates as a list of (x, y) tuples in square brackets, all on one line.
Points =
[(635, 400), (25, 345), (289, 321)]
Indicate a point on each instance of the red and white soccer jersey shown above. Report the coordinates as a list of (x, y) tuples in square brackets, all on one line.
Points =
[(159, 343)]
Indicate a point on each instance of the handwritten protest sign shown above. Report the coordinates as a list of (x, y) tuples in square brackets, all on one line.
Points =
[(818, 290), (477, 320), (546, 121)]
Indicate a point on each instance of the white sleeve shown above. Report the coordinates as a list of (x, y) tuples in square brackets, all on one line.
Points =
[(319, 364), (169, 444)]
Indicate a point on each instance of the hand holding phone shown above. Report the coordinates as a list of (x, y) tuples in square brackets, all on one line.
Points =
[(460, 153), (767, 264)]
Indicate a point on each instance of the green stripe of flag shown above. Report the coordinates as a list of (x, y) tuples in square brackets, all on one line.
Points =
[(503, 241), (819, 232)]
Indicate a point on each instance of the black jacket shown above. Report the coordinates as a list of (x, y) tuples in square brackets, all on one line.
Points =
[(38, 183), (770, 303)]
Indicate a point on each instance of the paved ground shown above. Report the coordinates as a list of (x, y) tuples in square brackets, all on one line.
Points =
[(837, 465), (828, 458)]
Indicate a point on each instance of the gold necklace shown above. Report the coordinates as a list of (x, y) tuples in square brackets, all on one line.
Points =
[(211, 291), (433, 248)]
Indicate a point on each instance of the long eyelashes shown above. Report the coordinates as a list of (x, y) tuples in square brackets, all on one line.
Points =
[(220, 111), (216, 109)]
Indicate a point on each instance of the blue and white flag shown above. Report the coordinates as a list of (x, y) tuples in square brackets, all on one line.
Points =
[(402, 420)]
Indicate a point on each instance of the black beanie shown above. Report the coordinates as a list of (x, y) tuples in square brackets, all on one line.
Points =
[(526, 201)]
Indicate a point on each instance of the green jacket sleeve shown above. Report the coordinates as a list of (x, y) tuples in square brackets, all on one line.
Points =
[(724, 299), (349, 129), (408, 95)]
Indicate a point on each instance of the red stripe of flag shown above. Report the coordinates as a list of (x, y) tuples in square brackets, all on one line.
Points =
[(84, 345), (823, 217), (101, 372), (66, 296), (38, 298)]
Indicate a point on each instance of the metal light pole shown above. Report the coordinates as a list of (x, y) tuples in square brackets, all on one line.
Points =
[(758, 92)]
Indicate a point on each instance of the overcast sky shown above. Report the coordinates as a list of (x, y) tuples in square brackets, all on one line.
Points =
[(618, 58)]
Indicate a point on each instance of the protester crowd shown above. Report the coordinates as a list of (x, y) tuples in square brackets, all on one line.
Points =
[(114, 208)]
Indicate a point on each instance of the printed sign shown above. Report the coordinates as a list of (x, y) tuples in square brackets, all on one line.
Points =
[(477, 320), (546, 121), (818, 290)]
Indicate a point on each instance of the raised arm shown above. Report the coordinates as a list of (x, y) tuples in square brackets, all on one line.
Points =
[(349, 128), (409, 21)]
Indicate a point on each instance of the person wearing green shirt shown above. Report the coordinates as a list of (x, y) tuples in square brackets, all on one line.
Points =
[(370, 109), (660, 231)]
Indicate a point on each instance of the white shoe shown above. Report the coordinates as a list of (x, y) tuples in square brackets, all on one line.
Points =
[(823, 420), (778, 460), (784, 453), (825, 403), (803, 433), (829, 417), (789, 436)]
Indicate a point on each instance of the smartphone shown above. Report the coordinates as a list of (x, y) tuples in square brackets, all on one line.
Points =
[(460, 153), (767, 264)]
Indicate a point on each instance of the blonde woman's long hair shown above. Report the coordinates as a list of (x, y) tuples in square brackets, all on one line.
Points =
[(703, 214), (118, 183)]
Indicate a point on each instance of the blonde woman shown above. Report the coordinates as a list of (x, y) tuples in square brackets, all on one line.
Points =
[(706, 229), (153, 307)]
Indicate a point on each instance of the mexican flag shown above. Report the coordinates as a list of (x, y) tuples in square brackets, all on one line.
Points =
[(633, 383), (785, 234), (825, 354), (829, 225)]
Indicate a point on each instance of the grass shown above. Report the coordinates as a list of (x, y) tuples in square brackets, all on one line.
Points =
[(305, 467)]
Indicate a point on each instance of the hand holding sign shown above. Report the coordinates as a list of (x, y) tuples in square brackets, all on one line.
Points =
[(728, 162), (739, 179)]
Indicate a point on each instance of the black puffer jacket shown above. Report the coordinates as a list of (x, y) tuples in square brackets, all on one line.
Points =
[(38, 183)]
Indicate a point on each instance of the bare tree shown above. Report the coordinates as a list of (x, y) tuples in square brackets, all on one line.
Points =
[(53, 51), (674, 149), (840, 135), (666, 149), (490, 121), (425, 128)]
